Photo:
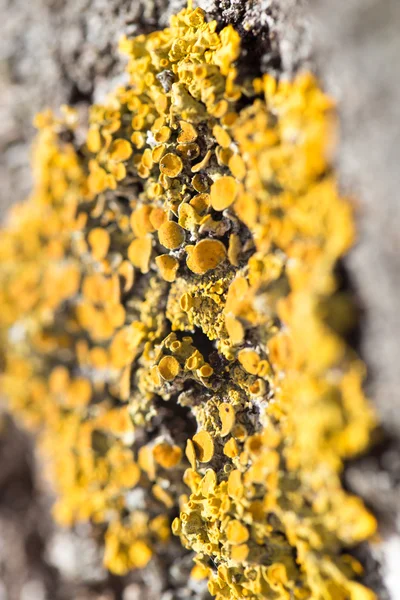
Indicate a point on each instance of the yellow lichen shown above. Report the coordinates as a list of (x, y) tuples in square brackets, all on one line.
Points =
[(236, 532), (171, 235), (227, 416), (167, 456), (120, 150), (171, 165), (204, 446), (231, 448), (139, 253), (188, 133), (179, 261), (223, 192), (250, 360), (205, 256), (99, 241), (168, 266), (168, 368)]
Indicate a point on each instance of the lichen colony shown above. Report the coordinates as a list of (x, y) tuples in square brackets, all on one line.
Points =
[(163, 322)]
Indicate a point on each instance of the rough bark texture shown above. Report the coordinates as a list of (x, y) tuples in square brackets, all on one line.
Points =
[(64, 51)]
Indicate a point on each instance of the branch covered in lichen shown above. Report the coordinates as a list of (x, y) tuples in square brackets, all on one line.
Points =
[(162, 313)]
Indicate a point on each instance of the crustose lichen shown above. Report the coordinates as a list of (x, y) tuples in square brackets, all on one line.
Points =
[(180, 258)]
